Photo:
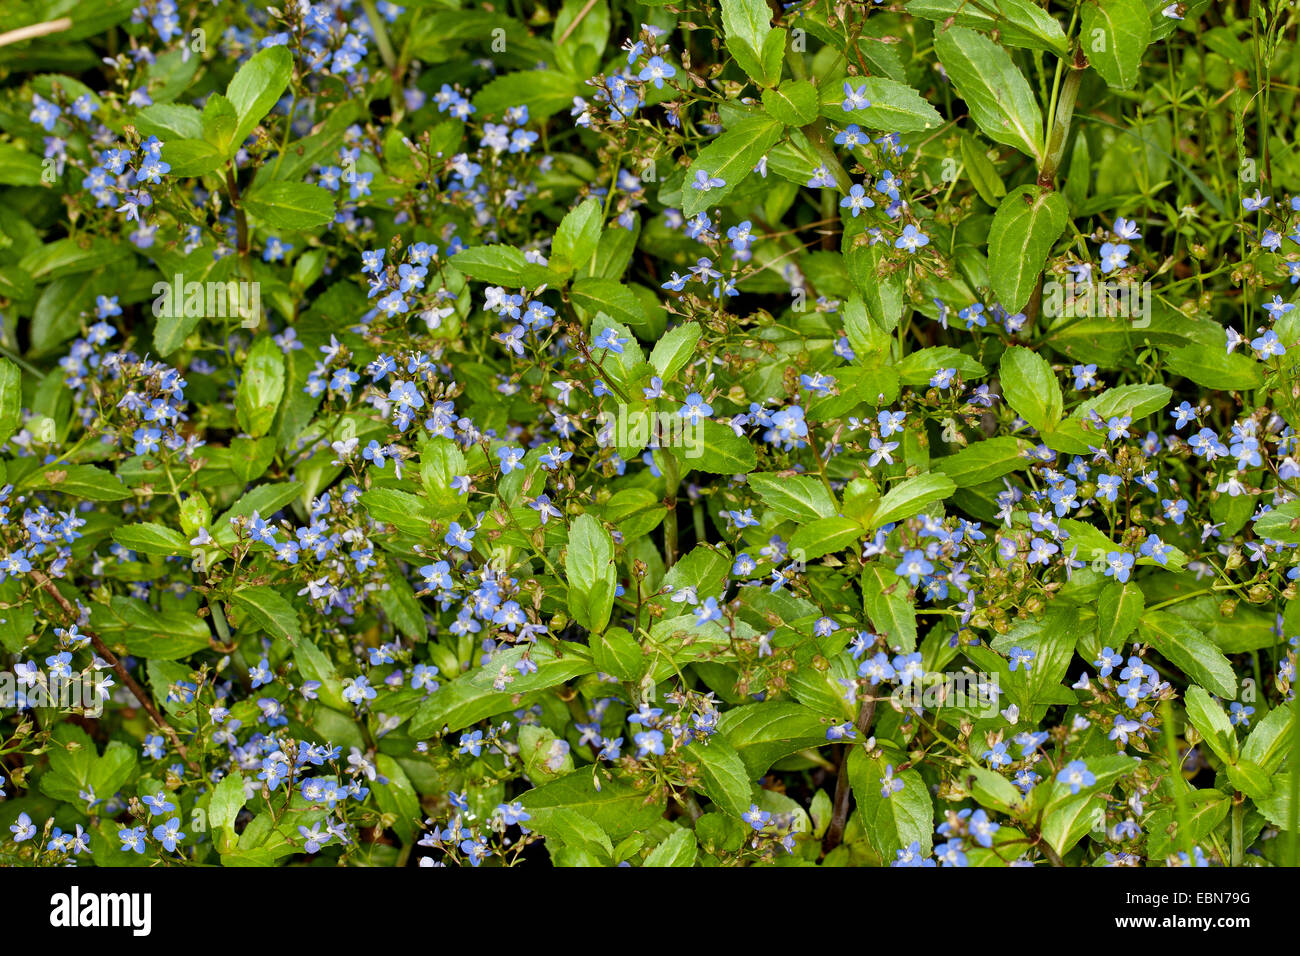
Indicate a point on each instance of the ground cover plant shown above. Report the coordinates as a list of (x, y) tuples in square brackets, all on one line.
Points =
[(650, 434)]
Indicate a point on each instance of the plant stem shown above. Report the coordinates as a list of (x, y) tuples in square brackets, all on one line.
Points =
[(1238, 815), (843, 789), (1062, 114), (381, 36), (672, 477), (119, 668)]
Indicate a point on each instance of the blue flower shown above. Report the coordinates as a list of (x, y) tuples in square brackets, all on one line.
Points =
[(1076, 774)]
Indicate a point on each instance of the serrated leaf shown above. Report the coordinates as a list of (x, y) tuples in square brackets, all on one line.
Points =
[(1115, 35), (290, 205), (999, 97), (473, 696), (731, 157), (894, 106), (589, 566), (794, 102), (723, 776), (884, 599), (269, 609), (1191, 651), (983, 461), (716, 450), (794, 496), (1028, 222), (257, 87), (909, 497), (1030, 387), (894, 822)]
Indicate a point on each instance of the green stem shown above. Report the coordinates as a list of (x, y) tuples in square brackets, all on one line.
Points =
[(1062, 114), (672, 479), (1238, 815), (381, 36)]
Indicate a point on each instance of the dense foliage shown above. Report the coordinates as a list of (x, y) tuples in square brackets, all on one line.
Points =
[(649, 433)]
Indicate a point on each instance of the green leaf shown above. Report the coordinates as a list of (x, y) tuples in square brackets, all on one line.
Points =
[(716, 450), (580, 34), (19, 167), (473, 696), (613, 298), (823, 536), (794, 496), (767, 732), (81, 481), (169, 121), (261, 386), (1281, 523), (147, 537), (1210, 721), (983, 174), (731, 157), (313, 664), (1276, 807), (157, 635), (256, 88), (287, 205), (894, 822), (1268, 742), (578, 235), (678, 850), (1208, 366), (984, 461), (544, 92), (191, 157), (723, 776), (501, 265), (919, 366), (1115, 34), (543, 759), (909, 497), (1052, 638), (884, 599), (227, 800), (997, 94), (615, 808), (569, 828), (395, 795), (406, 512), (794, 102), (269, 610), (1133, 401), (1028, 222), (1241, 630), (1119, 609), (589, 566), (747, 26), (1033, 23), (266, 500), (674, 349), (11, 399), (1189, 649), (1250, 780), (1030, 387), (869, 340), (616, 652), (894, 106)]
